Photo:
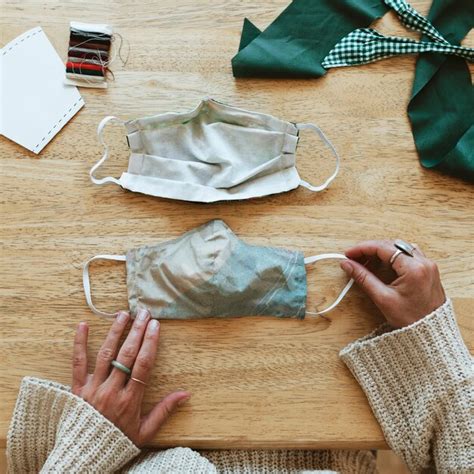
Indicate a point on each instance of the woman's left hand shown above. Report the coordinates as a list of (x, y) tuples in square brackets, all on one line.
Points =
[(110, 391)]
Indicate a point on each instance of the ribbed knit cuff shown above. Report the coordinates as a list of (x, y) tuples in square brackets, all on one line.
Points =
[(320, 461), (53, 430), (418, 381), (176, 460)]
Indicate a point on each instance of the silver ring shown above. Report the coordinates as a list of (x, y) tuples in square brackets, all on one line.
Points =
[(405, 247), (138, 381), (397, 253), (121, 367)]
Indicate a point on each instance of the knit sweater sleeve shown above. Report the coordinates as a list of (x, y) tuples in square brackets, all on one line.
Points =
[(419, 383), (53, 430)]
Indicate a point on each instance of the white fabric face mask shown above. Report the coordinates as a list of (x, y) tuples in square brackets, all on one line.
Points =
[(213, 153)]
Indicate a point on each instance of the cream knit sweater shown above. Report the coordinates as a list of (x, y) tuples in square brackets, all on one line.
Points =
[(418, 380)]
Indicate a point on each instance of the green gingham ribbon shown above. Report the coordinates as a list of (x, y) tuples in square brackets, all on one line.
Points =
[(366, 45)]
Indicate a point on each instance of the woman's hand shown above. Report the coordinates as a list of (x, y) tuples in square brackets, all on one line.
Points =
[(405, 291), (110, 391)]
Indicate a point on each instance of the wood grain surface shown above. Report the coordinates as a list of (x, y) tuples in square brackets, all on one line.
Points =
[(256, 382)]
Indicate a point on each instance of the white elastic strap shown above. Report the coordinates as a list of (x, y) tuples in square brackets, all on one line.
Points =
[(100, 130), (327, 256), (327, 142), (87, 285)]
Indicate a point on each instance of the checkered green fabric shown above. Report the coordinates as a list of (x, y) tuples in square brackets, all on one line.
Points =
[(413, 20), (366, 45)]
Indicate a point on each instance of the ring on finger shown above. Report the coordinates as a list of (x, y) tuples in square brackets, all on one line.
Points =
[(405, 247), (121, 367), (138, 381), (396, 254)]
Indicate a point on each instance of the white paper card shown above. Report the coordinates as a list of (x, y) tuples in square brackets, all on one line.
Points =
[(34, 101)]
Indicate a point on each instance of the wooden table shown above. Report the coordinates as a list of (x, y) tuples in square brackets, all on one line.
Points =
[(256, 382)]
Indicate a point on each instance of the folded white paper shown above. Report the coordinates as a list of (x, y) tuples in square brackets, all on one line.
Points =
[(34, 101)]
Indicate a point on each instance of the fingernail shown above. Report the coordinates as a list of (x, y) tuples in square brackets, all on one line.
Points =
[(82, 325), (184, 400), (153, 325), (122, 316), (347, 267), (142, 314)]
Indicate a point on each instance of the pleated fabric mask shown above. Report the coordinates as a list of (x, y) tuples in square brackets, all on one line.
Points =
[(215, 152), (210, 272)]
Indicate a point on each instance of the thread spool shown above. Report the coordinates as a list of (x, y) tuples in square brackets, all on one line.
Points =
[(89, 54)]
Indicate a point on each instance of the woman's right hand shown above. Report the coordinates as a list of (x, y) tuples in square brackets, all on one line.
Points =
[(404, 292)]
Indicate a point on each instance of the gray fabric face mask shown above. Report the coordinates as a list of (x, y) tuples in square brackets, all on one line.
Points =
[(209, 272), (213, 153)]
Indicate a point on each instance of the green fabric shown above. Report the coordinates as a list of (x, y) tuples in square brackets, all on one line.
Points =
[(296, 43), (441, 108), (366, 45)]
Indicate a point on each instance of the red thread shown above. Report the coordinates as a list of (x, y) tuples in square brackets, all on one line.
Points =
[(83, 65)]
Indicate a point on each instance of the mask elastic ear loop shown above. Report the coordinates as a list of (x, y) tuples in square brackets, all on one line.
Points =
[(327, 256), (100, 130), (87, 285), (327, 142)]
